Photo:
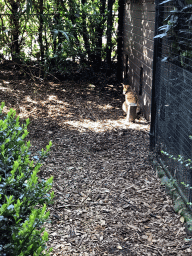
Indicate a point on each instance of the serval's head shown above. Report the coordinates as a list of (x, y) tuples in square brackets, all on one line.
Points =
[(126, 88)]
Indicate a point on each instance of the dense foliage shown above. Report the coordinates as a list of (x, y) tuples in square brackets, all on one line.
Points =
[(177, 28), (53, 31), (23, 197)]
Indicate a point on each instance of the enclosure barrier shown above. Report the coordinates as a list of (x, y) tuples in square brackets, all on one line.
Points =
[(171, 113)]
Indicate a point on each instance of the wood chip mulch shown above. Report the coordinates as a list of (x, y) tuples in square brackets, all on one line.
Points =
[(108, 200)]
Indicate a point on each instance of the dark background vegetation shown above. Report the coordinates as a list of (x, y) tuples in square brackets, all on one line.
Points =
[(63, 38)]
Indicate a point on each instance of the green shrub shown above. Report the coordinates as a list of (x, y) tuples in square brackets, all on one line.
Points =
[(23, 197)]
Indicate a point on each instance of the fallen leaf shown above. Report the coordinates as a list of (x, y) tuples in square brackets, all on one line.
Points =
[(102, 222), (133, 227), (53, 234), (150, 237)]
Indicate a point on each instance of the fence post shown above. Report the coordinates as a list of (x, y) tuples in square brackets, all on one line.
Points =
[(156, 54)]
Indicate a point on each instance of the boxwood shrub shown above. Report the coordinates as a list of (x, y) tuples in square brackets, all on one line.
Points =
[(23, 196)]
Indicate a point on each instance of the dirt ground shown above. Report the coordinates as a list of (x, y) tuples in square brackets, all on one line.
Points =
[(108, 200)]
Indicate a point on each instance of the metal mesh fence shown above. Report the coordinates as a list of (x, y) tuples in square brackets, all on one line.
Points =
[(173, 90)]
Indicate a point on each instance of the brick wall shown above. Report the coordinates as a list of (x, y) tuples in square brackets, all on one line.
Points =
[(139, 26)]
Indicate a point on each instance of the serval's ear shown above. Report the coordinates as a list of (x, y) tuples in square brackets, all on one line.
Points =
[(126, 87)]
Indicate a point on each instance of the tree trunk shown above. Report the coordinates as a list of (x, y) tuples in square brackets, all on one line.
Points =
[(99, 32), (120, 40), (109, 32), (85, 33), (41, 29), (73, 20), (15, 47)]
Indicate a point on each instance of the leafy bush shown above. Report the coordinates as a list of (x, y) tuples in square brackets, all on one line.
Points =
[(23, 197), (177, 28), (185, 162)]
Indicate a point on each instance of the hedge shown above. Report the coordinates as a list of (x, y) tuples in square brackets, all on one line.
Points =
[(23, 196)]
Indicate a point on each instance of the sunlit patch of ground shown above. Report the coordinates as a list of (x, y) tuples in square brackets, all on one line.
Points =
[(107, 125), (42, 104)]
